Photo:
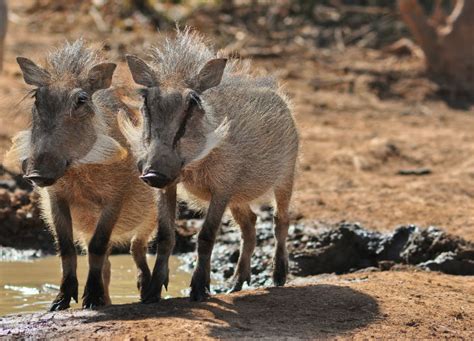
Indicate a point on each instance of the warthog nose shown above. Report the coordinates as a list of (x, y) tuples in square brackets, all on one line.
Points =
[(41, 181), (155, 179)]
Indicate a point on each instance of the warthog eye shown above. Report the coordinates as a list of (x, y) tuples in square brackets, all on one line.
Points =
[(33, 93), (195, 99), (81, 99)]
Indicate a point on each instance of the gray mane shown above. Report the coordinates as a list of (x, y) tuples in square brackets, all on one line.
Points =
[(180, 59), (72, 60)]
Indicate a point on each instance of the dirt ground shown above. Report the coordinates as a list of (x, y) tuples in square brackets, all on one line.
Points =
[(363, 115), (388, 305)]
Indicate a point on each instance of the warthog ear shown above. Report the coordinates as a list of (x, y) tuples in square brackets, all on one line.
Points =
[(32, 73), (100, 76), (210, 75), (141, 72)]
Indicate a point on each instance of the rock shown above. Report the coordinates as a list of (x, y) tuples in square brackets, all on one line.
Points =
[(8, 184), (449, 262), (11, 254), (350, 247)]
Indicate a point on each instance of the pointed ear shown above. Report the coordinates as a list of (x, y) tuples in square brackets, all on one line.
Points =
[(210, 75), (32, 73), (141, 72), (100, 76)]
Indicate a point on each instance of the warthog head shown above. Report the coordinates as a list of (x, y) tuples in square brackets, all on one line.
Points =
[(176, 130), (65, 128)]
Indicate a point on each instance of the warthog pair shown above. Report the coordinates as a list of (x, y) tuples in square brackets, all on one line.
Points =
[(207, 123)]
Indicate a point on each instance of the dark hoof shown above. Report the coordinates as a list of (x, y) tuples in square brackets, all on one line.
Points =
[(159, 279), (68, 290), (94, 296), (61, 302), (93, 301), (199, 294), (143, 281), (150, 299), (200, 285), (280, 272), (237, 284)]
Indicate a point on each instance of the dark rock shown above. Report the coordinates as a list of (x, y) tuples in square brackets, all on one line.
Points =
[(386, 265), (8, 184), (391, 245), (350, 247), (450, 263)]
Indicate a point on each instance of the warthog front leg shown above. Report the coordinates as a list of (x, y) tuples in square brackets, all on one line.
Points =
[(166, 241), (201, 280), (94, 291), (138, 249), (246, 219), (63, 227)]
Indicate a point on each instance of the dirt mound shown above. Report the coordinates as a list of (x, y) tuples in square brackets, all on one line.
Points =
[(21, 225)]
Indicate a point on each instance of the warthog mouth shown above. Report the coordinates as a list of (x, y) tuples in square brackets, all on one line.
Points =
[(155, 179), (35, 178)]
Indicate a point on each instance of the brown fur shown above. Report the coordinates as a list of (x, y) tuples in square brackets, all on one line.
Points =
[(92, 192), (227, 136)]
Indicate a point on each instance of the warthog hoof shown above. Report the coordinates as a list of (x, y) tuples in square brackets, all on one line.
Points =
[(92, 301), (200, 285), (143, 281), (238, 282), (280, 271), (159, 279), (68, 290), (94, 295)]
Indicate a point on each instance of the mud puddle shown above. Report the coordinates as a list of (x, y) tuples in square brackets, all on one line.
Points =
[(27, 286)]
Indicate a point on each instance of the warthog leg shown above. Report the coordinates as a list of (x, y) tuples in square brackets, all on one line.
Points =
[(106, 278), (201, 280), (246, 219), (63, 227), (138, 250), (94, 292), (282, 222), (166, 241)]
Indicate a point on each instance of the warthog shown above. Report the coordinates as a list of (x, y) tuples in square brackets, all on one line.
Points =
[(87, 179), (227, 136)]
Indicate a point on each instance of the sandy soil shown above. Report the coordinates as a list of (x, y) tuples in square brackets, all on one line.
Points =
[(389, 305), (372, 115)]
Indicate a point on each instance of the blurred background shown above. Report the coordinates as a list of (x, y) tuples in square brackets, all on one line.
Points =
[(382, 93)]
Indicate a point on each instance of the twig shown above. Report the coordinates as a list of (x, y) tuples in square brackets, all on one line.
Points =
[(418, 171)]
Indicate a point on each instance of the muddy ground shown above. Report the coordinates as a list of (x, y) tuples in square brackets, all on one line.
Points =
[(389, 305), (381, 145)]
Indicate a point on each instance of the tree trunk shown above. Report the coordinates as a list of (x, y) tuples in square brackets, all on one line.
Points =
[(447, 41)]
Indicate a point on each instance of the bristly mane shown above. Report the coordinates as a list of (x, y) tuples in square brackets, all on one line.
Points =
[(179, 59), (72, 60)]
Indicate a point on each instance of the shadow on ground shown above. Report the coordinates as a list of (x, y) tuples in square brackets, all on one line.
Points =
[(301, 312)]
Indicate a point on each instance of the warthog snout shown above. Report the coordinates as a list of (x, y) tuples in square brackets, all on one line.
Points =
[(163, 169), (44, 169)]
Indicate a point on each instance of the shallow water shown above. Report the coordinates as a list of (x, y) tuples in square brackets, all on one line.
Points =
[(27, 286)]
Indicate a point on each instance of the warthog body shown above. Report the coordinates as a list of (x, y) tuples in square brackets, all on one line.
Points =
[(86, 179), (228, 137)]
